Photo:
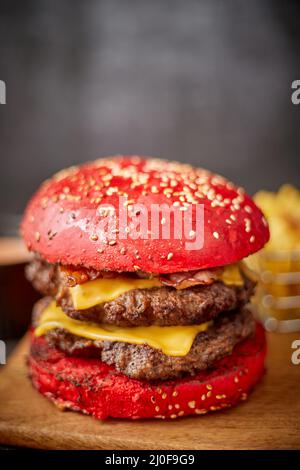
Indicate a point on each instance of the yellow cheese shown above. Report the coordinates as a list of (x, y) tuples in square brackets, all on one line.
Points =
[(104, 290), (172, 340), (231, 275), (95, 292)]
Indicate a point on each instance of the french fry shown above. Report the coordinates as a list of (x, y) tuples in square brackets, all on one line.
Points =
[(278, 264)]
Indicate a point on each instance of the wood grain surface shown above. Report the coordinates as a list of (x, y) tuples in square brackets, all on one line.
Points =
[(270, 419)]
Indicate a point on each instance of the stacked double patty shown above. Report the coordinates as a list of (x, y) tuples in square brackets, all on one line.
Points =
[(212, 300)]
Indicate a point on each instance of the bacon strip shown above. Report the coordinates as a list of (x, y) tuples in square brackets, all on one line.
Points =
[(183, 280)]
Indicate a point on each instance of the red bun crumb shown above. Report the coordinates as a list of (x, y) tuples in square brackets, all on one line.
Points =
[(92, 387), (62, 221)]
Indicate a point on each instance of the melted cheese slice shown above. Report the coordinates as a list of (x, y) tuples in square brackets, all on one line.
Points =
[(172, 340), (104, 290), (231, 275), (99, 291)]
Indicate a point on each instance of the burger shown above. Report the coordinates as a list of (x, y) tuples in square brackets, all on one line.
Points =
[(145, 293)]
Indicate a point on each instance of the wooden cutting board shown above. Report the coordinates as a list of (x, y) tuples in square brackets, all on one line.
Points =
[(270, 419)]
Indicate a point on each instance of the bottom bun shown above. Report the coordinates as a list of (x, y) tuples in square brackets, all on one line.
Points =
[(94, 388)]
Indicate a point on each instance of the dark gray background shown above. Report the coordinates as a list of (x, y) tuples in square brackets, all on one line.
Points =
[(206, 82)]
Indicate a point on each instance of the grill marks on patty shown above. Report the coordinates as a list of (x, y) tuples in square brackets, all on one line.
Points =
[(146, 363), (163, 306)]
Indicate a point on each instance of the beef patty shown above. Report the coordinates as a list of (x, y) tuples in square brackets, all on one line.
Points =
[(146, 363), (163, 306)]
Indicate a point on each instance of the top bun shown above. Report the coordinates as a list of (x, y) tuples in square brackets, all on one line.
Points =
[(67, 221)]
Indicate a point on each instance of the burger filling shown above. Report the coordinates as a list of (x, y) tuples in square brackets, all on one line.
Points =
[(149, 327), (128, 300), (147, 355)]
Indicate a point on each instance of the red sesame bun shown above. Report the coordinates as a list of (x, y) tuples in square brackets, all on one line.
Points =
[(92, 387), (63, 223)]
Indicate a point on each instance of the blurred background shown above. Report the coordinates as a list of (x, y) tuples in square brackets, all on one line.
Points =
[(206, 82)]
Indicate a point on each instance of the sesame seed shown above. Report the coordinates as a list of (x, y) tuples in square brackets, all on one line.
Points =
[(154, 189), (170, 407), (236, 380), (164, 396), (203, 397), (44, 202), (163, 221), (192, 233), (252, 238), (112, 242), (37, 236), (100, 250), (209, 387), (209, 394), (177, 406), (94, 237), (157, 408), (153, 399), (216, 235), (170, 256), (173, 416), (175, 393), (200, 412), (191, 404), (123, 250), (181, 413)]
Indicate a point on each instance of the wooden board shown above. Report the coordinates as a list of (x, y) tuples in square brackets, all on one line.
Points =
[(270, 419)]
